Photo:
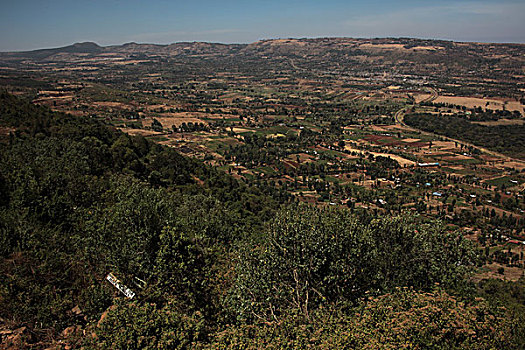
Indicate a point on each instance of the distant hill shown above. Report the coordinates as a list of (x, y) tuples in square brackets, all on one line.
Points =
[(86, 47), (323, 53), (297, 47)]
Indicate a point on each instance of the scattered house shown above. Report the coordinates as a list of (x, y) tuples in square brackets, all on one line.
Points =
[(422, 165), (381, 201), (437, 194)]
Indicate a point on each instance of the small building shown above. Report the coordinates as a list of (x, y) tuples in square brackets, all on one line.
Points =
[(422, 165)]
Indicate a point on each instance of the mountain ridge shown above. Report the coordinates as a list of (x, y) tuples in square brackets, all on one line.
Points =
[(90, 46)]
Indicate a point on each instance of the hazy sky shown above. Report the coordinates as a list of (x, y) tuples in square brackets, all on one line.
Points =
[(31, 24)]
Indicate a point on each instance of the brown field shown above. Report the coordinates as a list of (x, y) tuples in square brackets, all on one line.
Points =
[(471, 102), (50, 92), (456, 167), (124, 62), (154, 107), (410, 140), (141, 132), (420, 97), (119, 105), (402, 161), (303, 157), (489, 158), (518, 165), (445, 145), (53, 98), (427, 48), (491, 271), (378, 128), (457, 157), (240, 130)]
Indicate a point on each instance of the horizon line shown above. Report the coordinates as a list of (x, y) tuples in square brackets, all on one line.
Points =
[(270, 39)]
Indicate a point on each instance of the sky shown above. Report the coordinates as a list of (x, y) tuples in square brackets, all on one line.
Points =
[(33, 24)]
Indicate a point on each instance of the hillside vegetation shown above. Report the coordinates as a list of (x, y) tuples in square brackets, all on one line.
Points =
[(215, 262)]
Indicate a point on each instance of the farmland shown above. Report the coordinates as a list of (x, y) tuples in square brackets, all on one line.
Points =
[(374, 127), (325, 132)]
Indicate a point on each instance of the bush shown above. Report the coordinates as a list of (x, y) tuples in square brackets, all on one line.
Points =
[(403, 319), (310, 257)]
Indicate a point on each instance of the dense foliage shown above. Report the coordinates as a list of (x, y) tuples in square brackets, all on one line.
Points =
[(81, 200), (403, 319), (311, 257)]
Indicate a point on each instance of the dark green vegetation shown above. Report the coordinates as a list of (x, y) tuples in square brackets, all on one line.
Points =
[(80, 200), (507, 139), (215, 262)]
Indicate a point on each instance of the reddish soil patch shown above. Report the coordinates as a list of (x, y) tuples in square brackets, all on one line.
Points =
[(374, 138), (417, 144), (489, 158)]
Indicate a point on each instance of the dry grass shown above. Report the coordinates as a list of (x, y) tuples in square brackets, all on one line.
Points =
[(53, 98), (471, 102), (118, 105), (420, 97), (383, 46), (402, 161), (240, 130), (510, 273), (141, 132), (518, 165), (427, 48), (378, 128), (410, 140)]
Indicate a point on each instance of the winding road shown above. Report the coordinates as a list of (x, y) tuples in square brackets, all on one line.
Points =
[(400, 114)]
